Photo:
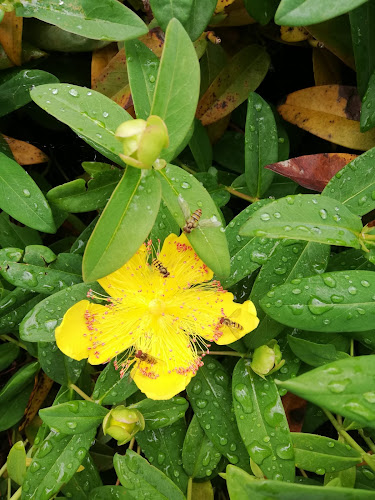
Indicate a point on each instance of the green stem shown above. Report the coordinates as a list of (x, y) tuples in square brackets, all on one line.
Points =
[(246, 197), (17, 494), (189, 489), (3, 469), (185, 167), (225, 353), (14, 341), (367, 440), (303, 473), (80, 392), (348, 438), (352, 347)]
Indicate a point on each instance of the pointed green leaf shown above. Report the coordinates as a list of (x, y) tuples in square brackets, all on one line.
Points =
[(124, 224), (177, 87)]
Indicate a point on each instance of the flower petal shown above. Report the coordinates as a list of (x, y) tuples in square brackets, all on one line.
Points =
[(184, 265), (242, 314), (73, 336), (131, 276), (163, 385)]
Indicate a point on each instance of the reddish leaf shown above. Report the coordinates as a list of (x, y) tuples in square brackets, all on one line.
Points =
[(295, 408), (312, 171)]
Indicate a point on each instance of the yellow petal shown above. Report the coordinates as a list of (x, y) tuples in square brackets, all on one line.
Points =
[(183, 264), (243, 314), (73, 336), (162, 385), (131, 276)]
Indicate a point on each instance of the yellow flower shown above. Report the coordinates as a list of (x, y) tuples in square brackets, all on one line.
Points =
[(162, 315)]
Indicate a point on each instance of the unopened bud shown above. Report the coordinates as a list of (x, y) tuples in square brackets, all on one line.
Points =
[(123, 423), (267, 359), (143, 141)]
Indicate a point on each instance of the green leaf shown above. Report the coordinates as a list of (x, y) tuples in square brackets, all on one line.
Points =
[(80, 243), (124, 224), (349, 260), (200, 147), (306, 217), (83, 482), (49, 469), (14, 306), (177, 86), (261, 10), (229, 151), (210, 396), (354, 185), (15, 87), (12, 235), (304, 12), (21, 198), (13, 410), (93, 116), (73, 417), (58, 366), (142, 479), (18, 382), (342, 387), (314, 354), (199, 455), (98, 19), (76, 196), (209, 242), (164, 225), (143, 66), (110, 388), (163, 448), (242, 485), (110, 493), (332, 302), (363, 41), (161, 413), (199, 16), (16, 462), (367, 120), (165, 10), (40, 323), (290, 260), (262, 423), (320, 454), (261, 145), (247, 254), (8, 353), (41, 279)]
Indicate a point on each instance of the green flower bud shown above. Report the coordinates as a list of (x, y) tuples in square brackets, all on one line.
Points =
[(122, 424), (267, 359), (143, 141)]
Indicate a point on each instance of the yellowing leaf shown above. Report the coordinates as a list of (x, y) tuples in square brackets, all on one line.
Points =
[(100, 59), (327, 69), (244, 72), (294, 34), (39, 394), (11, 37), (154, 40), (221, 4), (25, 153), (113, 77), (202, 491), (330, 112)]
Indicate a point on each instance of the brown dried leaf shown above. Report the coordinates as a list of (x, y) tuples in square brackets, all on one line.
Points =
[(40, 392), (221, 5), (113, 77), (100, 59), (331, 112), (295, 408), (154, 40), (312, 171), (11, 37), (25, 153)]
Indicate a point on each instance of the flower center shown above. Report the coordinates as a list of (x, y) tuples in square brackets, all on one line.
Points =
[(156, 307)]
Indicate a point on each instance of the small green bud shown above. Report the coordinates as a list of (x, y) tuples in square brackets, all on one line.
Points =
[(267, 359), (143, 141), (123, 423)]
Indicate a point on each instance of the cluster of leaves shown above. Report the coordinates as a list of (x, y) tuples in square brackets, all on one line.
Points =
[(281, 246)]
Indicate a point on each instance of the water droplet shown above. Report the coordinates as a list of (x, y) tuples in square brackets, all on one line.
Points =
[(265, 217), (71, 425), (161, 458), (201, 403), (365, 283), (368, 474), (285, 451), (329, 281), (223, 441), (197, 388), (243, 397), (320, 471), (323, 213), (290, 200), (45, 449), (73, 92), (73, 406), (185, 185), (258, 452), (338, 386), (280, 270), (151, 79), (369, 397), (330, 444), (317, 306), (337, 299)]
